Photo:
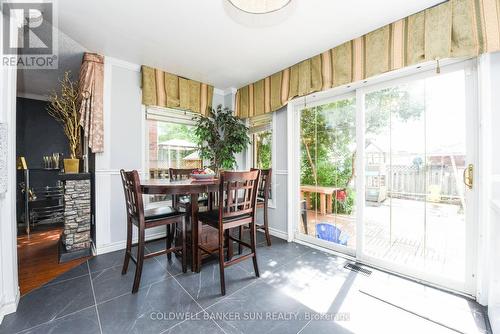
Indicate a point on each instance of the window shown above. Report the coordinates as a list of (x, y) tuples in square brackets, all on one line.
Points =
[(262, 141), (171, 142)]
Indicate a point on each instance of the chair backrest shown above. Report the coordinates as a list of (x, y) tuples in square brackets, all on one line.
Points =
[(238, 193), (177, 174), (133, 196), (264, 190)]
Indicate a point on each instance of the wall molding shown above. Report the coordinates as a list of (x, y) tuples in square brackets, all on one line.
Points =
[(9, 307), (277, 233), (122, 63), (120, 245)]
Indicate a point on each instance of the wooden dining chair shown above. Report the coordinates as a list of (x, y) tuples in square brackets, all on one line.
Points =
[(263, 195), (144, 219), (237, 202)]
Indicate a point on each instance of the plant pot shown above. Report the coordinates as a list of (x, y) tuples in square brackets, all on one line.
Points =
[(71, 166)]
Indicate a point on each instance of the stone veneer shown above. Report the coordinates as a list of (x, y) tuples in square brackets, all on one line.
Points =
[(77, 215)]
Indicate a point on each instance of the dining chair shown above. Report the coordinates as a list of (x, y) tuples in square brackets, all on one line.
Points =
[(144, 219), (263, 195), (237, 203)]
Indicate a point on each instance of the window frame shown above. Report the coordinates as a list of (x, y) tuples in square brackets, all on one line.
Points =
[(249, 157)]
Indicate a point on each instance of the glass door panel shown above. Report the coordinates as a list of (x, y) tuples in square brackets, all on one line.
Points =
[(327, 174), (414, 157)]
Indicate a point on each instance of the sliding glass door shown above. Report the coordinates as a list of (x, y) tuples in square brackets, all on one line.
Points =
[(419, 140), (327, 179), (386, 175)]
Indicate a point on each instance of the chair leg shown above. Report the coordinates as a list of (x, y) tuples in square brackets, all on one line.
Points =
[(266, 226), (184, 248), (253, 237), (240, 236), (169, 241), (140, 260), (128, 249), (229, 244), (221, 263)]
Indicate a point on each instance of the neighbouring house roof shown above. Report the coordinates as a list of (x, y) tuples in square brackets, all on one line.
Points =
[(193, 156), (180, 144)]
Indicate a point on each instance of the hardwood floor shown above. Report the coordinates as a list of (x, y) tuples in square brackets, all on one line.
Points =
[(38, 259)]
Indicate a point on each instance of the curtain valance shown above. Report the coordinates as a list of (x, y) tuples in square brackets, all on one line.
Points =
[(163, 89), (456, 28)]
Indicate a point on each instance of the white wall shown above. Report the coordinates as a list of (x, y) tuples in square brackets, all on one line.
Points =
[(124, 147), (9, 289), (489, 245)]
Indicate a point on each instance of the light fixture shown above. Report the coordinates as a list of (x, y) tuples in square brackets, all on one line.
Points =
[(259, 6)]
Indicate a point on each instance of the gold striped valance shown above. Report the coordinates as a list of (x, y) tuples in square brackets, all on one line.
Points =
[(456, 28), (168, 90)]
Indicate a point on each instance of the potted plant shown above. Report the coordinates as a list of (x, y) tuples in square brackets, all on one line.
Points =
[(219, 136), (64, 107)]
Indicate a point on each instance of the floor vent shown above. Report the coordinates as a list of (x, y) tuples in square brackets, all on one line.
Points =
[(358, 269)]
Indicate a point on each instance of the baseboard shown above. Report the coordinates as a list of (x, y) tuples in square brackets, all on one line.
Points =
[(277, 233), (119, 245), (9, 307)]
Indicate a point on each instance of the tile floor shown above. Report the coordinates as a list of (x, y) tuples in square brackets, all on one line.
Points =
[(301, 290)]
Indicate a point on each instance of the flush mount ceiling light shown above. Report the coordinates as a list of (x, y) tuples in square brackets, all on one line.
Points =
[(259, 13), (259, 6)]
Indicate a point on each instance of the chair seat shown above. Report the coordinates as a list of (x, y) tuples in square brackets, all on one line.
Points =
[(161, 213), (212, 217)]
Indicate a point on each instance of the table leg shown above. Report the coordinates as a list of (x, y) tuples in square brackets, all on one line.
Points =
[(329, 203), (308, 200), (322, 204), (195, 233)]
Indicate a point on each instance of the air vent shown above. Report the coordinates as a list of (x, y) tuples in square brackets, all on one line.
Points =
[(358, 269)]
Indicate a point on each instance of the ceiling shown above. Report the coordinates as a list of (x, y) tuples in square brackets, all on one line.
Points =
[(207, 41)]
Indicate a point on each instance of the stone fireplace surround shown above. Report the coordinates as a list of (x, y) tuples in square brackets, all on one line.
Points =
[(76, 240)]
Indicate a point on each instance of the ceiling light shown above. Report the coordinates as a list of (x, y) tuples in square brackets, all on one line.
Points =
[(259, 6)]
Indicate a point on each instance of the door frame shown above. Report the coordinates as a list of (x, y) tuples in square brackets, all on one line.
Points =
[(359, 89)]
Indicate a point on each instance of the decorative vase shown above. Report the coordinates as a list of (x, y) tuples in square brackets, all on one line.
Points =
[(71, 166)]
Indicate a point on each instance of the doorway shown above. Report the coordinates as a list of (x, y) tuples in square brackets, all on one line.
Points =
[(385, 174)]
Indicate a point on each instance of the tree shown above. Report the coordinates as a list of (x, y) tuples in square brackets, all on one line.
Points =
[(328, 132)]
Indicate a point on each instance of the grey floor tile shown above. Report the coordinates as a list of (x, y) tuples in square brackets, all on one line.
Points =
[(151, 310), (260, 308), (199, 326), (204, 287), (110, 282), (271, 258), (78, 271), (81, 322), (107, 260), (49, 303)]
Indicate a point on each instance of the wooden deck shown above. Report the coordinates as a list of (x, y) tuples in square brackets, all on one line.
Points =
[(441, 251)]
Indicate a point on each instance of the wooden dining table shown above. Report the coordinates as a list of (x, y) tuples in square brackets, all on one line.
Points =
[(190, 187)]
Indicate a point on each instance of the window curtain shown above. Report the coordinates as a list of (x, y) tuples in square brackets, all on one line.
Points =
[(456, 28), (166, 90), (91, 93)]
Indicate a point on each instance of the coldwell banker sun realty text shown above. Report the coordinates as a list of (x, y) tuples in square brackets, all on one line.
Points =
[(29, 34)]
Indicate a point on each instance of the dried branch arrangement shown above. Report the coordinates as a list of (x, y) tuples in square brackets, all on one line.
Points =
[(64, 107)]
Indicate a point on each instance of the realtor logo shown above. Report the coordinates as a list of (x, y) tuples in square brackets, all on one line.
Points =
[(29, 34)]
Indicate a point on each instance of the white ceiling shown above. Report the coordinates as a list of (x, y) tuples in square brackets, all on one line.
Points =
[(199, 40)]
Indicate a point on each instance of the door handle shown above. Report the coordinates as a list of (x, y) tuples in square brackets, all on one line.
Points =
[(469, 176)]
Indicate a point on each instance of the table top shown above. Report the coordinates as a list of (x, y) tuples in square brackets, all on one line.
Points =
[(189, 186), (320, 189)]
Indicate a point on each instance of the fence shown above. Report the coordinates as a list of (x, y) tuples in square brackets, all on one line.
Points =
[(412, 182)]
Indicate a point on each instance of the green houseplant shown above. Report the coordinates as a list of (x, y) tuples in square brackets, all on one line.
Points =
[(219, 136), (64, 107)]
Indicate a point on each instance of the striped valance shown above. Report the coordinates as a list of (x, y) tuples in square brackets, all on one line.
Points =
[(456, 28), (163, 89)]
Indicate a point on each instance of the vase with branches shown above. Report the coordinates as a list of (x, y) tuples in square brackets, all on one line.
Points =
[(219, 136), (64, 108)]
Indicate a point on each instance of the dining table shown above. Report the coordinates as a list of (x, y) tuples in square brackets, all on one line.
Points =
[(189, 187)]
